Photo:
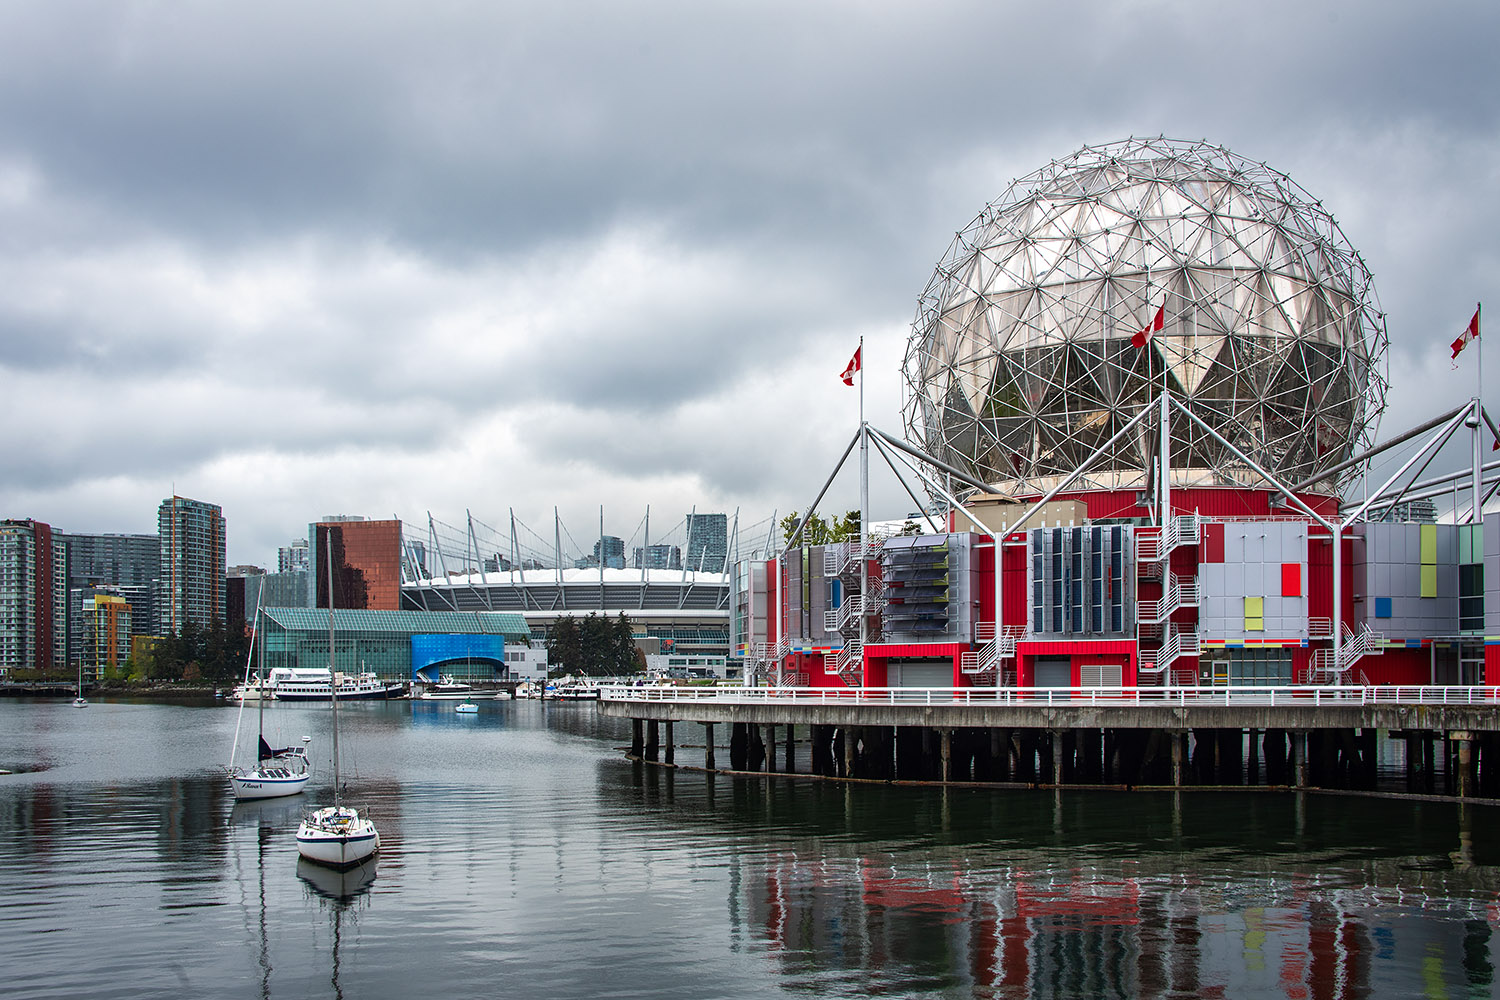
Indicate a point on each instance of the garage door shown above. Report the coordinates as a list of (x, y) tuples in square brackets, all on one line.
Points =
[(924, 675), (1054, 672)]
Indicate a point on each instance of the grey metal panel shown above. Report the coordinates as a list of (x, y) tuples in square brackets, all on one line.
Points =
[(1053, 672), (1255, 580), (920, 675)]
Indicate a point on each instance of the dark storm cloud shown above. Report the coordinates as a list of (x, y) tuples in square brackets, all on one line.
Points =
[(373, 225)]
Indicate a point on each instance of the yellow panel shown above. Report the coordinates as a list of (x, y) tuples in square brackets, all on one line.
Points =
[(1429, 581), (1429, 550), (1255, 614)]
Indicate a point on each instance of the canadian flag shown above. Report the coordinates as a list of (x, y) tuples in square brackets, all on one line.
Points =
[(1143, 336), (848, 375), (1471, 333)]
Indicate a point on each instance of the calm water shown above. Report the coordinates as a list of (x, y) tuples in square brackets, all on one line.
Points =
[(523, 856)]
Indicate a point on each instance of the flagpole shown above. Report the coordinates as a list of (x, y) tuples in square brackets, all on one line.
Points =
[(864, 511), (1478, 516)]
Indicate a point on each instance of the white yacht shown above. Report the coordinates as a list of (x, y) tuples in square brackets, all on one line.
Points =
[(336, 836), (277, 772), (312, 684)]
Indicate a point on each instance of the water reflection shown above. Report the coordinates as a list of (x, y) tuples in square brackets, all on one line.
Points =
[(341, 894), (1088, 894), (529, 851), (1020, 932)]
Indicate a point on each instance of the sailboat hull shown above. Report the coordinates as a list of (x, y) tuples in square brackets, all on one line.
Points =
[(258, 786), (337, 837)]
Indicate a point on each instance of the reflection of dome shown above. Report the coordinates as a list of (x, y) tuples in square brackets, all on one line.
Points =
[(1020, 362)]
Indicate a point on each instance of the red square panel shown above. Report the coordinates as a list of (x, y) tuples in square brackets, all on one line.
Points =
[(1291, 580), (1213, 543)]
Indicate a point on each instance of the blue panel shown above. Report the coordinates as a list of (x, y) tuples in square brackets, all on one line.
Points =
[(1382, 607), (428, 652)]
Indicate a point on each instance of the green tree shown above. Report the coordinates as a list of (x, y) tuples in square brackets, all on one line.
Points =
[(846, 528), (565, 646), (819, 531), (815, 533), (625, 649)]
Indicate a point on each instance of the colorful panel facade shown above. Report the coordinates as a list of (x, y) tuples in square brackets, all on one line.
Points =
[(1413, 567), (1245, 596)]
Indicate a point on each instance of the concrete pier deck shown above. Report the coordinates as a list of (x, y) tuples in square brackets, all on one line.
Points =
[(1293, 708)]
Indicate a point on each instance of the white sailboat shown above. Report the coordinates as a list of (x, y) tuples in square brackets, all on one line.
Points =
[(336, 836), (277, 771), (80, 701)]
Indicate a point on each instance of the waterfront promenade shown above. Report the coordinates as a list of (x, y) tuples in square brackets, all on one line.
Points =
[(1296, 735)]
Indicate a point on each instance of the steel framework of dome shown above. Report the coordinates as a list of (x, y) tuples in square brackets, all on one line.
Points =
[(1020, 363)]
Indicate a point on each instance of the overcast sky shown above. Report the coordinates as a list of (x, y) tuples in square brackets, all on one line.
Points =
[(311, 258)]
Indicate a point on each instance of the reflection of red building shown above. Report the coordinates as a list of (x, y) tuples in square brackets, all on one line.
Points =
[(366, 563), (1075, 932)]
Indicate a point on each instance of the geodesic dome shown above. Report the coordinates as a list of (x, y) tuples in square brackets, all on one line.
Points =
[(1020, 362)]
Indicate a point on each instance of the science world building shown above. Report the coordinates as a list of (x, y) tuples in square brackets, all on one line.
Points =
[(1141, 382)]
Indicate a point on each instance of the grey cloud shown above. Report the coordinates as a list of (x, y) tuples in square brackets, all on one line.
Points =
[(351, 222)]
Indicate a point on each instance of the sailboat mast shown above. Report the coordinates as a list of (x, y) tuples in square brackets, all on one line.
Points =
[(333, 676), (260, 719)]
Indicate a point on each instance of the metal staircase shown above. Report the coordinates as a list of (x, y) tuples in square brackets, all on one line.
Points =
[(1180, 530), (1181, 592), (1000, 647), (1325, 668), (1177, 643), (847, 664)]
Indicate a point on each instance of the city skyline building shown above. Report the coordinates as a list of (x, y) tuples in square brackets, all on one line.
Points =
[(609, 552), (657, 557), (123, 564), (366, 558), (192, 576), (290, 558), (106, 634), (708, 542), (32, 593)]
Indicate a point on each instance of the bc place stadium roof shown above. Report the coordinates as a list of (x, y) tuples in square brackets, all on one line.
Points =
[(583, 590), (508, 624)]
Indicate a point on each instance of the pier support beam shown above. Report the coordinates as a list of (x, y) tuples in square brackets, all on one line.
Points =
[(1057, 756), (653, 739), (945, 751), (1178, 752), (822, 750), (1465, 746), (789, 756), (1299, 758), (671, 755), (771, 748), (637, 737), (708, 745), (739, 746), (755, 751), (849, 748)]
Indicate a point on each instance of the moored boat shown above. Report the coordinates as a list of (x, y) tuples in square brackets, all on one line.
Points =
[(277, 771), (312, 684), (336, 836)]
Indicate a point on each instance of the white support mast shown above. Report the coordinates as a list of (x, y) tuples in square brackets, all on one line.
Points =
[(864, 514)]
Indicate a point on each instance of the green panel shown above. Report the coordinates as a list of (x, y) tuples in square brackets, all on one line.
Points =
[(1471, 543), (1429, 581), (1429, 549)]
